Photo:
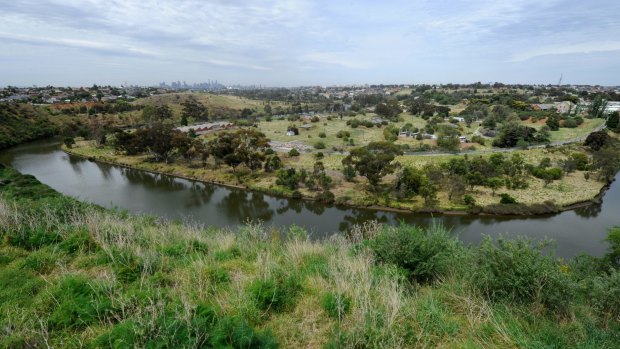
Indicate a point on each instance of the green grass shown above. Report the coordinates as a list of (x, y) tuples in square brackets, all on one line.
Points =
[(81, 276)]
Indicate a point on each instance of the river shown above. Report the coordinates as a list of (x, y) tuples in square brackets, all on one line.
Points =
[(579, 231)]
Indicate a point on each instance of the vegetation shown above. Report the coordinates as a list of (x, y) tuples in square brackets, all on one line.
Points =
[(75, 275), (20, 123)]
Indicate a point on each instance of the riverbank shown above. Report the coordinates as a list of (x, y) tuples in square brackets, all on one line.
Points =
[(573, 190), (76, 275)]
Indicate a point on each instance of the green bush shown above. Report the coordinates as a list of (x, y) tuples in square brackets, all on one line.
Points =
[(422, 254), (293, 152), (605, 295), (519, 271), (336, 305), (276, 293), (469, 200), (322, 135), (506, 199), (319, 145)]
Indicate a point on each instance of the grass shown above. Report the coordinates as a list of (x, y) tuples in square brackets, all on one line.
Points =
[(194, 287), (571, 189)]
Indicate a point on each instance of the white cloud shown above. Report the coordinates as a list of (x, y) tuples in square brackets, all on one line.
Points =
[(564, 49)]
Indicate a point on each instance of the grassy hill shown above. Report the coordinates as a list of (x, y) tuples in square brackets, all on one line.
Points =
[(21, 122), (75, 275)]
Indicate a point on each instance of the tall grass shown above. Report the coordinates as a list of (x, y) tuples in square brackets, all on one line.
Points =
[(74, 275)]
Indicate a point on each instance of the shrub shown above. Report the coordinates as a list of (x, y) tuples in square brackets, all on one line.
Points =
[(519, 271), (605, 295), (469, 200), (336, 305), (276, 293), (319, 145), (422, 254), (322, 135), (293, 152), (506, 199), (325, 197)]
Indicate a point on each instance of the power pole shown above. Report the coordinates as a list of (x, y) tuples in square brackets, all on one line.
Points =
[(560, 82)]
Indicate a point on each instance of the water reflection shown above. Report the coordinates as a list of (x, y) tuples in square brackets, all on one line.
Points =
[(582, 230)]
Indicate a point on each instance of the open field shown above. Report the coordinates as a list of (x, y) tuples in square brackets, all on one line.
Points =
[(571, 189)]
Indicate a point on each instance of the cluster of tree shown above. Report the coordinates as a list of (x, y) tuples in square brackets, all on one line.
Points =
[(373, 161), (91, 108), (389, 110), (606, 157), (193, 110), (317, 180), (245, 146), (512, 134), (160, 141)]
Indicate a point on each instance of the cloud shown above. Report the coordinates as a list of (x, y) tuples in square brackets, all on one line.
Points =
[(564, 49), (96, 46), (315, 40)]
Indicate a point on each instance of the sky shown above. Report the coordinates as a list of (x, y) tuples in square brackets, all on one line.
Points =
[(303, 42)]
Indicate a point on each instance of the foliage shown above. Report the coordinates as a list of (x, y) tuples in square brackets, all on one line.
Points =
[(424, 255), (288, 178), (293, 152), (20, 123), (597, 140), (613, 121), (373, 161), (519, 271), (506, 199), (245, 146)]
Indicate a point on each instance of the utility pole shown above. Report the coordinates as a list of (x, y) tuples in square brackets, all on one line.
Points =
[(560, 82)]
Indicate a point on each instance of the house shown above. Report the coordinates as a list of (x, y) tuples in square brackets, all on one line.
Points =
[(376, 120), (463, 139), (612, 107), (458, 118)]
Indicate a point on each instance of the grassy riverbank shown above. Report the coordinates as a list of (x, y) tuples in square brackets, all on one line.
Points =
[(75, 275), (539, 197)]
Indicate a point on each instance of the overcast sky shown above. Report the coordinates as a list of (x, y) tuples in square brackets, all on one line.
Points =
[(303, 42)]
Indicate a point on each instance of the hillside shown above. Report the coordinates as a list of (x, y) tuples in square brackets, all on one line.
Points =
[(75, 275), (21, 122)]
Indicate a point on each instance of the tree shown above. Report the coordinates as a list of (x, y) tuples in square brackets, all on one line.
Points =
[(272, 163), (246, 146), (447, 138), (553, 121), (153, 114), (613, 121), (455, 185), (373, 161), (409, 182), (194, 110), (597, 140), (288, 178), (607, 160), (494, 183), (597, 107)]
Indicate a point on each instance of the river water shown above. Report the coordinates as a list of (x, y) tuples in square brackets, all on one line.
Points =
[(574, 232)]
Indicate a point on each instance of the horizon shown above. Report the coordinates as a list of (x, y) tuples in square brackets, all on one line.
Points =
[(300, 43)]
